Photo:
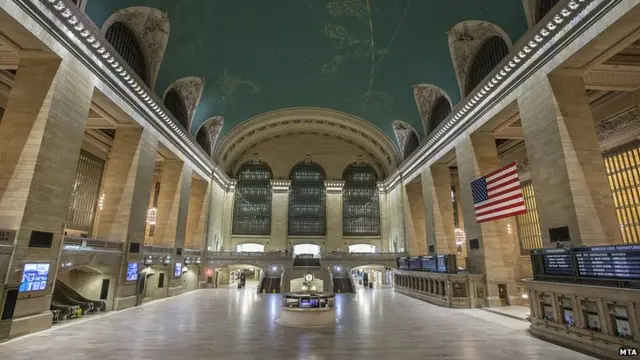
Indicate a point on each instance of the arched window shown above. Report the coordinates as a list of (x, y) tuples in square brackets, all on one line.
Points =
[(202, 138), (252, 205), (489, 55), (543, 8), (441, 109), (412, 144), (307, 200), (174, 103), (124, 42), (360, 201)]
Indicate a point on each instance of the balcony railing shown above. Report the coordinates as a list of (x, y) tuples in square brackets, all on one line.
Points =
[(86, 244), (157, 250)]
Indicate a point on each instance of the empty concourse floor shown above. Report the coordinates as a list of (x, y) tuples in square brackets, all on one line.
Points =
[(229, 323)]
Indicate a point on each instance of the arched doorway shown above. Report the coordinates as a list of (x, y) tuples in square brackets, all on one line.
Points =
[(308, 250)]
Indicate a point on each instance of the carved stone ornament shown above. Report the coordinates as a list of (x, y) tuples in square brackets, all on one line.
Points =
[(190, 89), (464, 41), (426, 95), (151, 27), (213, 126), (523, 165), (402, 131), (618, 124)]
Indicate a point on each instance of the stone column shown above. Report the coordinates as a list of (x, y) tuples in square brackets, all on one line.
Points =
[(567, 170), (127, 186), (171, 221), (197, 214), (438, 209), (476, 156), (173, 204), (385, 220), (41, 135), (279, 215), (227, 218), (415, 224), (334, 239)]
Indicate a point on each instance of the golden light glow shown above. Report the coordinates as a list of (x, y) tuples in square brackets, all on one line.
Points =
[(528, 224), (623, 171)]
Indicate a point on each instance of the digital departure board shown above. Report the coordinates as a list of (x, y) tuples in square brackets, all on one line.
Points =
[(621, 261), (558, 262), (429, 263), (414, 263), (442, 264)]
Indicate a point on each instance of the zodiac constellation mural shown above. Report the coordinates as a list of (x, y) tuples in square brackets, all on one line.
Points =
[(229, 86), (363, 47)]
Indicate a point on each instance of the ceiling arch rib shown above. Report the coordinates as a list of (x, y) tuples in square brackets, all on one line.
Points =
[(151, 28), (190, 91), (465, 40), (426, 96), (330, 123), (212, 127)]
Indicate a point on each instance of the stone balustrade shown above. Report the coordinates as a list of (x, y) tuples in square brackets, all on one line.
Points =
[(74, 243), (596, 319), (450, 290)]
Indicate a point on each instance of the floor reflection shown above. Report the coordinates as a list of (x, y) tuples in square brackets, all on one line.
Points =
[(233, 323)]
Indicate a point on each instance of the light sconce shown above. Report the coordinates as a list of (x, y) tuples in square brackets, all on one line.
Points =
[(461, 237), (151, 216), (101, 202)]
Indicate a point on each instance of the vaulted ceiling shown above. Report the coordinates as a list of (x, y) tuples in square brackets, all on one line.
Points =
[(361, 57)]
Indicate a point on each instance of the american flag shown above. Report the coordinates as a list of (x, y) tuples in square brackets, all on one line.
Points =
[(498, 195)]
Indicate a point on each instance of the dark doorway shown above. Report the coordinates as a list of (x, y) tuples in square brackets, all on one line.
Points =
[(503, 294), (9, 304), (104, 291), (161, 281)]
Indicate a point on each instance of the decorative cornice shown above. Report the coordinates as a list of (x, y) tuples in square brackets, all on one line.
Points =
[(618, 124), (532, 52), (280, 186), (71, 29), (334, 186)]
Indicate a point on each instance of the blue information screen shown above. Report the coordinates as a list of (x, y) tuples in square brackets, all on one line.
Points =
[(34, 277), (132, 271), (178, 270)]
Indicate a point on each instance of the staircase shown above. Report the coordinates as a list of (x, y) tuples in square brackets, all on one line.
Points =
[(342, 285), (270, 285)]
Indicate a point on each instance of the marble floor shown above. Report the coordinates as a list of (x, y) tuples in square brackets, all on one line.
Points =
[(240, 324)]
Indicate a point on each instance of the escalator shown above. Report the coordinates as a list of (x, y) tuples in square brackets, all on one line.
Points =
[(342, 285), (65, 298)]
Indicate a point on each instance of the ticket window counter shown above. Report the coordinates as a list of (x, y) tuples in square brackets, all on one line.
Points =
[(300, 301)]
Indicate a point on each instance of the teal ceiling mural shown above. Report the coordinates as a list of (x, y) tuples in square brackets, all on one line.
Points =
[(357, 56)]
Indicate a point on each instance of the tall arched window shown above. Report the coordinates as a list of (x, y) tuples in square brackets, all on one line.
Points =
[(124, 42), (441, 109), (489, 55), (174, 103), (412, 144), (202, 138), (543, 8), (360, 201), (307, 200), (252, 205)]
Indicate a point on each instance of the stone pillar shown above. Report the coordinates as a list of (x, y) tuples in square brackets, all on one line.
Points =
[(415, 224), (41, 135), (173, 204), (127, 185), (171, 221), (279, 215), (333, 239), (438, 209), (567, 170), (227, 218), (476, 156), (385, 221), (197, 214)]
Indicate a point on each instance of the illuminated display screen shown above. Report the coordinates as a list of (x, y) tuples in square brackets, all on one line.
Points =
[(178, 270), (34, 277), (609, 261), (132, 271)]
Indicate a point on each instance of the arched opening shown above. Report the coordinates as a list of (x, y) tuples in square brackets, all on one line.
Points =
[(252, 205), (362, 248), (307, 200), (441, 109), (371, 275), (489, 55), (308, 250), (202, 138), (250, 247), (360, 201), (543, 7), (174, 103), (125, 43), (412, 144)]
